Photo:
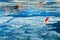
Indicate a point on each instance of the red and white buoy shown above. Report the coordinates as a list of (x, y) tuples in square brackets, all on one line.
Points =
[(46, 20)]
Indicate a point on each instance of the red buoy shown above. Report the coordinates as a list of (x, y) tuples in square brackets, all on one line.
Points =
[(46, 20)]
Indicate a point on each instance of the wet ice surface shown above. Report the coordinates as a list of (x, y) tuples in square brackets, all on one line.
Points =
[(27, 28)]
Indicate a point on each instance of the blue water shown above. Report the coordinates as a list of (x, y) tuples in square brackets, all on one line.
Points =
[(28, 28), (29, 25), (5, 0)]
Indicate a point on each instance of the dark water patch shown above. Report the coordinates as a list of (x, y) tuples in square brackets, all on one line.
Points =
[(57, 25)]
